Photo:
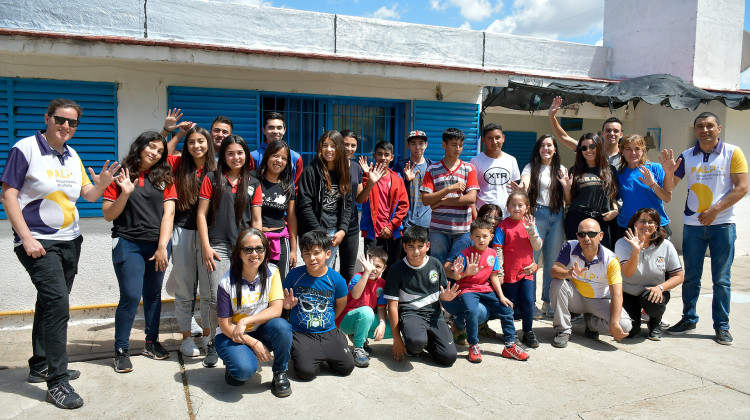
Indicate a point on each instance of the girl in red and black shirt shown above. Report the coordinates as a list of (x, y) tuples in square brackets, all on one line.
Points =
[(141, 203), (230, 201)]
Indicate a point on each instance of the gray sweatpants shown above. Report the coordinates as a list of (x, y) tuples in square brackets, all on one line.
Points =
[(208, 286), (566, 299), (187, 262)]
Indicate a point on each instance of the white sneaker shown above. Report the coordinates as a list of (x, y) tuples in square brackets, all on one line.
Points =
[(195, 329), (547, 310), (188, 348), (204, 342)]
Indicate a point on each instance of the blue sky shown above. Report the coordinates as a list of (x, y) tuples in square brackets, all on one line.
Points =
[(565, 20)]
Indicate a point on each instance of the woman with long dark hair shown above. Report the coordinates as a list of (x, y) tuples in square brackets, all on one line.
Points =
[(230, 201), (278, 214), (541, 177), (591, 188), (323, 198), (249, 303), (190, 168), (141, 203), (650, 269)]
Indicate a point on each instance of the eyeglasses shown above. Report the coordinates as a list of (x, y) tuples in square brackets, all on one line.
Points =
[(591, 146), (646, 222), (61, 120), (254, 250), (585, 234)]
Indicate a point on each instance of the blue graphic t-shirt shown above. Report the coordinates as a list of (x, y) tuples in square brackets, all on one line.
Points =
[(315, 312)]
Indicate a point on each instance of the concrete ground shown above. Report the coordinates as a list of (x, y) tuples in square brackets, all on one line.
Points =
[(689, 376)]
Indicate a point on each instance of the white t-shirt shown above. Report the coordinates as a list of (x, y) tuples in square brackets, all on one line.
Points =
[(545, 180), (494, 175)]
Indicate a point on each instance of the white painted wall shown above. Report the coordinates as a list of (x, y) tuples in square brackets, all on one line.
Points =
[(697, 40)]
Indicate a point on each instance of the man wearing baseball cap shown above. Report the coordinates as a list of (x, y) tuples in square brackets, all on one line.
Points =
[(412, 170)]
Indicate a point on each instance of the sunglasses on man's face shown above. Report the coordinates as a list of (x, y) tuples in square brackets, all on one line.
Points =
[(61, 120), (591, 146), (585, 234)]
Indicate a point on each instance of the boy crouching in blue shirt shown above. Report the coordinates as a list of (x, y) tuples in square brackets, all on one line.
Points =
[(414, 287), (316, 295)]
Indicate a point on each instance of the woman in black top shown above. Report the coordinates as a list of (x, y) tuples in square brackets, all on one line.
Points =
[(278, 214), (324, 194), (141, 203), (349, 247), (590, 188), (230, 201)]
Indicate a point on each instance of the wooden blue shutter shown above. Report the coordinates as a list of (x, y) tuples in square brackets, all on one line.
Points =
[(434, 117), (202, 105), (95, 139), (519, 144)]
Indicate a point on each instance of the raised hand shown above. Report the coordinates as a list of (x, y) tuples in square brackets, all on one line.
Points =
[(646, 176), (289, 299), (367, 264), (565, 179), (184, 127), (667, 161), (556, 105), (409, 174), (363, 163), (123, 181), (634, 241), (376, 172), (106, 176), (515, 186), (529, 222), (450, 293), (170, 123), (472, 267), (576, 271), (458, 266)]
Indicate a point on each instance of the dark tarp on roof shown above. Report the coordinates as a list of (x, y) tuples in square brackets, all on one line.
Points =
[(654, 89)]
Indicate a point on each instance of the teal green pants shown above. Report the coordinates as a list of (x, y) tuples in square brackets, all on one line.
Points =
[(362, 322)]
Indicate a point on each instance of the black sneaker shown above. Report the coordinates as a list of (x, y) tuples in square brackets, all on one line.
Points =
[(39, 376), (529, 339), (212, 358), (594, 335), (681, 327), (367, 347), (122, 361), (229, 379), (154, 350), (280, 386), (655, 334), (560, 340), (63, 395), (723, 337)]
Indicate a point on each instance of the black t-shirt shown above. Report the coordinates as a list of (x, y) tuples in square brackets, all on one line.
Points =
[(591, 195), (224, 230), (330, 204), (140, 220), (186, 218), (275, 203), (355, 174), (417, 289)]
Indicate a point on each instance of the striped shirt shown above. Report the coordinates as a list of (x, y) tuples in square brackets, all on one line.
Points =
[(450, 219)]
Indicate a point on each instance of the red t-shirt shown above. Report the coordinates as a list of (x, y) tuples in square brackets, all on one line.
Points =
[(512, 237), (488, 264), (372, 296)]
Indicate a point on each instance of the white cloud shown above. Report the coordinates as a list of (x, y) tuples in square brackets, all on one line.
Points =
[(551, 19), (474, 10), (465, 25), (386, 13)]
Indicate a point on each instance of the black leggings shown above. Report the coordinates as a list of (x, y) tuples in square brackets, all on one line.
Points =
[(348, 251), (283, 261)]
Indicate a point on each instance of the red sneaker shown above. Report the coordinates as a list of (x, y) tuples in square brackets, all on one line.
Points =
[(475, 356), (514, 352)]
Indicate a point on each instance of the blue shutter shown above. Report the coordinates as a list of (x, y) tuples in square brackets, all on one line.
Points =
[(202, 105), (434, 117), (95, 139), (6, 122), (519, 144)]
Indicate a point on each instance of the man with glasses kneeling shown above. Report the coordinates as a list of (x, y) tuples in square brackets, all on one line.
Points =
[(586, 279)]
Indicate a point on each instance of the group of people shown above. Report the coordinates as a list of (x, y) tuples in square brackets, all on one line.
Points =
[(447, 239)]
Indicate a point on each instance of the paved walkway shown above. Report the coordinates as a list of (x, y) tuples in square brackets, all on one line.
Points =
[(688, 377)]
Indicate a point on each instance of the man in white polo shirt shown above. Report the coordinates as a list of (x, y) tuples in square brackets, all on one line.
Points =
[(716, 173), (586, 279)]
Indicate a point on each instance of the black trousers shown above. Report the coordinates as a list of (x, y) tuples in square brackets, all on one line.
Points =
[(633, 305), (392, 247), (434, 335), (52, 275), (309, 351), (348, 251)]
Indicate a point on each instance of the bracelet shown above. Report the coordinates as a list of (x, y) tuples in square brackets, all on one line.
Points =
[(652, 185), (165, 129), (254, 344), (382, 321)]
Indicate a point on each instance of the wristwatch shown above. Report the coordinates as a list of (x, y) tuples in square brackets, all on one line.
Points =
[(660, 287)]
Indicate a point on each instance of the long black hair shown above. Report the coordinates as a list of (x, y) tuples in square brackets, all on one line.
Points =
[(285, 177), (185, 178), (235, 270), (160, 174), (601, 163), (556, 196), (340, 164), (241, 199)]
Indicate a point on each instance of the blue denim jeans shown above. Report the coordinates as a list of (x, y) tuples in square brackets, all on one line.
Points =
[(493, 304), (719, 239), (241, 361), (456, 308), (331, 261), (441, 243), (136, 276), (550, 227)]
